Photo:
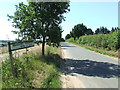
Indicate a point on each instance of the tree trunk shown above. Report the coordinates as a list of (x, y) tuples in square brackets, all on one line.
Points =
[(43, 47), (74, 38)]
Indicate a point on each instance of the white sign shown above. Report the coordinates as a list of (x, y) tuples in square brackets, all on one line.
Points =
[(21, 45)]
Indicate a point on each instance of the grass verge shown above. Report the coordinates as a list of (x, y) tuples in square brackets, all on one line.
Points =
[(3, 50), (33, 71), (101, 51)]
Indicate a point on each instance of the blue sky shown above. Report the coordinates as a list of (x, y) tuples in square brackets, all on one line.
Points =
[(91, 14)]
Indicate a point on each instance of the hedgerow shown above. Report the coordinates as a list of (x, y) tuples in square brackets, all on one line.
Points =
[(106, 41)]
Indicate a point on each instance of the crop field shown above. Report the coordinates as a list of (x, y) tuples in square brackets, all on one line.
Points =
[(105, 41)]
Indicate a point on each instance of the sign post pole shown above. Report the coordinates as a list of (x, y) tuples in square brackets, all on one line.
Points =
[(11, 59), (26, 54), (17, 46)]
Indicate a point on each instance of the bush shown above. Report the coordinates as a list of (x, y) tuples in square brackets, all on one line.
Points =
[(33, 71), (104, 41), (70, 40)]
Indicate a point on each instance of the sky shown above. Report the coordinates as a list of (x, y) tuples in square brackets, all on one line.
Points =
[(91, 13)]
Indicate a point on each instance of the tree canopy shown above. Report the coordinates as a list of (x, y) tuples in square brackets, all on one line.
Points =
[(102, 30), (40, 20), (67, 36), (114, 29), (80, 30)]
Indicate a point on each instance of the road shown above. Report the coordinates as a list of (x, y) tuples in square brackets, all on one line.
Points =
[(93, 70)]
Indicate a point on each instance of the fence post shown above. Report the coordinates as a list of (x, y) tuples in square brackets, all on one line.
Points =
[(11, 59)]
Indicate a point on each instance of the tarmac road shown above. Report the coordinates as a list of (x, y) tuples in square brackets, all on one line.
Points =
[(94, 70)]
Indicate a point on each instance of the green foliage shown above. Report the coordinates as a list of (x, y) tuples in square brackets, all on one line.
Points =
[(71, 40), (114, 29), (79, 30), (40, 20), (22, 80), (102, 30), (36, 72), (67, 36), (99, 51), (53, 56), (62, 40), (54, 36), (89, 32), (105, 41), (52, 79)]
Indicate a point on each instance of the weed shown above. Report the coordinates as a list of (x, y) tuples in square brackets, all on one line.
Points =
[(36, 72)]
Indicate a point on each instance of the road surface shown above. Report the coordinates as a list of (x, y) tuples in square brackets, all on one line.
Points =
[(93, 70)]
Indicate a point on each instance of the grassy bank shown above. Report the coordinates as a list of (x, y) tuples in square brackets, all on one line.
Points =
[(3, 50), (107, 44), (33, 70), (101, 51)]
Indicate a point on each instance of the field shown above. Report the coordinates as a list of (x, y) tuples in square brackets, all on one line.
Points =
[(3, 43)]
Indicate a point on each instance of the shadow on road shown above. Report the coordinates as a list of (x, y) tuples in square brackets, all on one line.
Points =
[(91, 68), (67, 46)]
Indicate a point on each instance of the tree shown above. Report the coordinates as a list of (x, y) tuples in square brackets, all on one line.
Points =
[(40, 20), (67, 36), (118, 28), (102, 30), (54, 36), (80, 30), (97, 31), (72, 34), (62, 40), (112, 29), (89, 32)]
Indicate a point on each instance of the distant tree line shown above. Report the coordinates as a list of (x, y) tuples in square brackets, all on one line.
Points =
[(81, 30)]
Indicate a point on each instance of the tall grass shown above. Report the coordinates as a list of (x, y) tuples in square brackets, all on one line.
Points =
[(33, 71), (3, 50), (104, 41)]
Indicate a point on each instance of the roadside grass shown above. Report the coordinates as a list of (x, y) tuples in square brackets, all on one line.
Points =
[(101, 51), (33, 70), (3, 50)]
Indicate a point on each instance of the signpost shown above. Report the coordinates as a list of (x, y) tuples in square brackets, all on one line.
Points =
[(11, 59), (17, 46), (21, 45)]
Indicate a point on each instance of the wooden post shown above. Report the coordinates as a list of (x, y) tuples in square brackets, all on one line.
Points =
[(11, 59), (26, 55)]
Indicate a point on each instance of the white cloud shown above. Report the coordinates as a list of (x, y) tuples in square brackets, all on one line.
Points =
[(5, 30)]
